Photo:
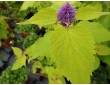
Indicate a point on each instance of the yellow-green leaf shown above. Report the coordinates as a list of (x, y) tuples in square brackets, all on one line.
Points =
[(45, 16), (99, 33), (39, 48), (73, 53), (71, 49), (20, 58), (27, 4), (97, 63), (89, 12), (102, 50)]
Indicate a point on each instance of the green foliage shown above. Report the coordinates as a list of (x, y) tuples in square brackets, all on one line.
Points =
[(97, 63), (67, 46), (9, 8), (34, 4), (105, 21), (11, 77), (36, 64), (102, 35), (90, 12), (20, 58), (102, 50), (3, 28), (99, 36), (54, 76), (101, 76), (106, 59), (57, 5), (27, 4), (39, 48), (29, 39), (42, 17), (73, 52)]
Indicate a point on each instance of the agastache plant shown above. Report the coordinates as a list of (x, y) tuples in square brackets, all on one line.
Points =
[(69, 52), (66, 14)]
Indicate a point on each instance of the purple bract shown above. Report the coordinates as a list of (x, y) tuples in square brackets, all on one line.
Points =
[(66, 15)]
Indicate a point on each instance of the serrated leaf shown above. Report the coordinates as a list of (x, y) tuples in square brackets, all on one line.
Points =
[(20, 58), (90, 12), (39, 48), (71, 50), (99, 33), (45, 16), (102, 50)]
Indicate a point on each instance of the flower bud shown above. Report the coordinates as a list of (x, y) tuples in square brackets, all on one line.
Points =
[(66, 14)]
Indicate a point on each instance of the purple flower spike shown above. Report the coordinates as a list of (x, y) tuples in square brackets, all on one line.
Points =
[(66, 15)]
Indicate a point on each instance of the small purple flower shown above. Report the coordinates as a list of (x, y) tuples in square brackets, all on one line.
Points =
[(66, 15)]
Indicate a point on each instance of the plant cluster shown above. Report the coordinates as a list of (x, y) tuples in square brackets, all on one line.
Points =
[(55, 42)]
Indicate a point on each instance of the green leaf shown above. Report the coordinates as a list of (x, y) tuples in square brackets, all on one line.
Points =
[(89, 12), (59, 4), (35, 65), (3, 28), (39, 48), (33, 4), (102, 50), (72, 51), (97, 63), (105, 21), (45, 16), (76, 4), (97, 6), (99, 33), (20, 58), (27, 4), (106, 59), (53, 76)]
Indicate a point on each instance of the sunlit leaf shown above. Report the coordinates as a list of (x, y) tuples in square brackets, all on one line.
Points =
[(68, 46), (97, 63), (20, 58), (99, 33), (54, 76), (89, 12), (34, 4), (102, 50), (27, 4), (105, 21), (43, 17)]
